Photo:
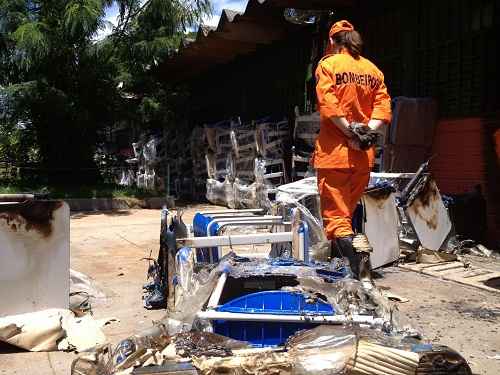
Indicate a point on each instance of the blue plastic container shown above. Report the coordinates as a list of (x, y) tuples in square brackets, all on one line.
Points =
[(259, 334), (277, 302), (262, 334), (200, 224)]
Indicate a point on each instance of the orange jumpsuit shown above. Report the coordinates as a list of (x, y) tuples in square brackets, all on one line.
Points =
[(354, 89)]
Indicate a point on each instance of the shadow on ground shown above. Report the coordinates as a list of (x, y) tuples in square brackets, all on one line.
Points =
[(9, 349), (80, 215)]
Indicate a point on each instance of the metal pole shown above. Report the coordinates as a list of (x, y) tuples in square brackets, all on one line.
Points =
[(321, 319)]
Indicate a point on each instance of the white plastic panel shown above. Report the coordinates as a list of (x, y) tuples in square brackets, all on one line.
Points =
[(381, 228), (34, 256)]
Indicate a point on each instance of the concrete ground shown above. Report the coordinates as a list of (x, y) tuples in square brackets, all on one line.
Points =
[(109, 246)]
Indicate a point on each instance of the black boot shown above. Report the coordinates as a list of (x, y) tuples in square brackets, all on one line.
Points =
[(334, 253), (345, 248), (365, 273), (363, 248)]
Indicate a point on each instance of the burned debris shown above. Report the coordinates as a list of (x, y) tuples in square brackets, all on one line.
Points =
[(283, 313)]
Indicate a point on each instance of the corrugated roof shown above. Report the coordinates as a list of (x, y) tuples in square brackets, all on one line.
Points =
[(237, 34)]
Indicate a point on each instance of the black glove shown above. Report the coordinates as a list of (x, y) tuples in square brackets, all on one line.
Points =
[(364, 135)]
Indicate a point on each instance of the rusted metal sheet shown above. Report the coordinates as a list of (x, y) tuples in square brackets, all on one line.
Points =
[(429, 216), (34, 256)]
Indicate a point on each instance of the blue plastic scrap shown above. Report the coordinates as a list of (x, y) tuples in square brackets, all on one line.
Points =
[(277, 302), (259, 334), (288, 266), (262, 334)]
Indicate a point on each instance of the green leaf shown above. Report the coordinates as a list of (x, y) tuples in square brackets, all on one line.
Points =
[(83, 18), (31, 42)]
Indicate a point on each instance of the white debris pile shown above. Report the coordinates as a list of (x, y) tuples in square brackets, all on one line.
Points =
[(53, 329)]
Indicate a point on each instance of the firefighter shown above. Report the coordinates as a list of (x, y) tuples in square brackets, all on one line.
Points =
[(354, 107)]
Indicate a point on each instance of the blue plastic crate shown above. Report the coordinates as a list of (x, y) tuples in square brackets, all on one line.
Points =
[(262, 334)]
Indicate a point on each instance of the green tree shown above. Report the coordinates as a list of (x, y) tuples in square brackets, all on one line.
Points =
[(64, 85)]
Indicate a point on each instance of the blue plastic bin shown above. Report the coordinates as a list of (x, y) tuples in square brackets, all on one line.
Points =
[(259, 334), (262, 334), (200, 224), (276, 302)]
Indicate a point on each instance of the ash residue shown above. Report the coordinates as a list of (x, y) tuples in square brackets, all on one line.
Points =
[(197, 344), (36, 215), (482, 313)]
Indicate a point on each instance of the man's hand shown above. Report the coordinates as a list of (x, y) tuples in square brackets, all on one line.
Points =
[(359, 136), (364, 135), (377, 126), (343, 125)]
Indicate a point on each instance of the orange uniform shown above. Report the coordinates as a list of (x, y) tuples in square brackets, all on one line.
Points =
[(354, 89)]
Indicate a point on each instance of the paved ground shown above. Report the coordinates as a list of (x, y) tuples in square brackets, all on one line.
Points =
[(464, 318), (109, 247)]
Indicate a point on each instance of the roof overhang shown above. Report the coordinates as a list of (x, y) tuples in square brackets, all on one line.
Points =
[(238, 34)]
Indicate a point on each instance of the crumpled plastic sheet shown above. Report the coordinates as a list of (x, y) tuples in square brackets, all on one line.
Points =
[(195, 284), (246, 229), (245, 196), (83, 293), (327, 349), (251, 196), (142, 173), (153, 347), (247, 267), (237, 153), (237, 194), (339, 350), (298, 190), (79, 282), (350, 297), (257, 362), (166, 340), (303, 195), (194, 343), (221, 193), (350, 349), (194, 287), (324, 350)]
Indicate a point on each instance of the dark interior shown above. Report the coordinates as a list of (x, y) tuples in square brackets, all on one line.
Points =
[(238, 287)]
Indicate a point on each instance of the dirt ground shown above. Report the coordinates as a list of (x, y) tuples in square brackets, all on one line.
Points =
[(109, 246)]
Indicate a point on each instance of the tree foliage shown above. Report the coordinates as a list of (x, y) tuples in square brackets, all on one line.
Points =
[(60, 85)]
